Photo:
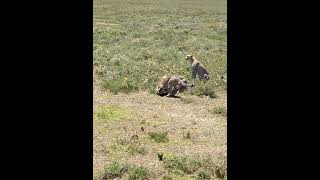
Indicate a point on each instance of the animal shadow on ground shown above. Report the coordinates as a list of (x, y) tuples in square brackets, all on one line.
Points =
[(165, 95), (173, 96)]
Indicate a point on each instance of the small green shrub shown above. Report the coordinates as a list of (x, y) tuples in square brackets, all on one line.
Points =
[(203, 89), (204, 175), (159, 136), (114, 170), (181, 165), (219, 110), (205, 168), (110, 112), (117, 170), (138, 173)]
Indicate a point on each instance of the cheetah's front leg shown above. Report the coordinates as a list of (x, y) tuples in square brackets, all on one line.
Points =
[(173, 90)]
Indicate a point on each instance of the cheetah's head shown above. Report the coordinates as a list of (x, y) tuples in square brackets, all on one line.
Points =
[(189, 58), (161, 91)]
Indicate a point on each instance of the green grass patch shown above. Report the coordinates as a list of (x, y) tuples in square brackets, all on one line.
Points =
[(125, 86), (202, 88), (204, 175), (159, 136), (220, 110), (118, 170), (181, 165), (110, 113), (202, 168), (138, 173), (135, 47), (114, 170)]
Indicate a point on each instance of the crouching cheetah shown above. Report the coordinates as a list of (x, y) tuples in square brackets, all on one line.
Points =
[(171, 85), (197, 68)]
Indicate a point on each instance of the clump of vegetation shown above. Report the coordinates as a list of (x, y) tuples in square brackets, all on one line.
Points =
[(114, 170), (137, 148), (110, 113), (159, 136), (132, 145), (220, 110), (204, 89), (205, 168), (117, 170), (181, 164), (217, 168), (204, 175), (138, 173)]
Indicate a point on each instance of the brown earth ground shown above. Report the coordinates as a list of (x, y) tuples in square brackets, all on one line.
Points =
[(177, 116)]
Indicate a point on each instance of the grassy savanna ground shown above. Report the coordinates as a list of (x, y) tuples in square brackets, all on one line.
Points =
[(138, 41), (135, 43)]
